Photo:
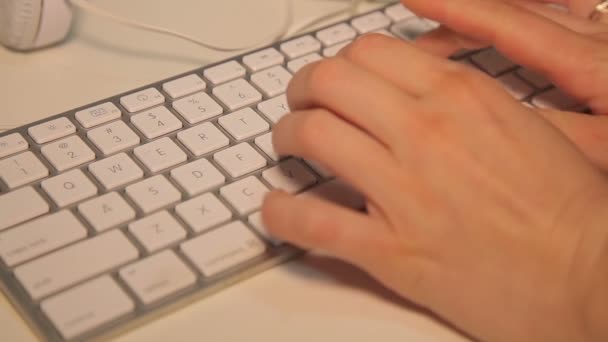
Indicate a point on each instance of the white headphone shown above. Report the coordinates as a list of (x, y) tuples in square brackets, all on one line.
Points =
[(32, 24)]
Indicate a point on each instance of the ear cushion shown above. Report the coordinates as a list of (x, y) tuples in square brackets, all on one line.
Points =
[(19, 22)]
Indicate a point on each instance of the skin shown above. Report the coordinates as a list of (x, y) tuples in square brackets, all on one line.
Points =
[(478, 208)]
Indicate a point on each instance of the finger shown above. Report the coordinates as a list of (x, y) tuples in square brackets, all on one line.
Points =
[(566, 19), (314, 223), (518, 33), (345, 150), (581, 8), (359, 97), (588, 132), (444, 42), (418, 71)]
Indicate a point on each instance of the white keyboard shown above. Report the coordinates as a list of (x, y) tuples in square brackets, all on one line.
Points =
[(121, 208)]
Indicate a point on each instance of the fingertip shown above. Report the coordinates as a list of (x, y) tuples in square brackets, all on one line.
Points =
[(274, 210)]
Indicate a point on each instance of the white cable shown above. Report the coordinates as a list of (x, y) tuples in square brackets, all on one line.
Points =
[(95, 10), (350, 8)]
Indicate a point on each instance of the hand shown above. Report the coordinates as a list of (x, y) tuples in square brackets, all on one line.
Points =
[(477, 208), (570, 50)]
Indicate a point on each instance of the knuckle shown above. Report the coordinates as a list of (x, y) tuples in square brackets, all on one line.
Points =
[(307, 131), (321, 230), (322, 75), (365, 46), (461, 83)]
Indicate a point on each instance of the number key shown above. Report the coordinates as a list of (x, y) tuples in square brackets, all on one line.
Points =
[(237, 94), (67, 153), (21, 169), (113, 137)]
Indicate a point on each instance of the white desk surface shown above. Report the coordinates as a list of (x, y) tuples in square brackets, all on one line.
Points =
[(308, 299)]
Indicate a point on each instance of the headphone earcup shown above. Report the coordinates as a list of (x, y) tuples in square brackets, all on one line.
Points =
[(19, 23), (32, 24)]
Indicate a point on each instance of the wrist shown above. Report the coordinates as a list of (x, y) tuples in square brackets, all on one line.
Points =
[(595, 312), (592, 275)]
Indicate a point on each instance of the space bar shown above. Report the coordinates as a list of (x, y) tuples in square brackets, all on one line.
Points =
[(77, 262)]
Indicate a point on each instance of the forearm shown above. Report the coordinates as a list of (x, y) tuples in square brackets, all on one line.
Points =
[(591, 272), (596, 308)]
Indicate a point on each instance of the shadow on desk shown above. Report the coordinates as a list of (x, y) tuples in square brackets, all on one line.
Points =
[(352, 277)]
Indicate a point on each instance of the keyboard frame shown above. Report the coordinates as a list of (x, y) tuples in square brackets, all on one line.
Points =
[(204, 287)]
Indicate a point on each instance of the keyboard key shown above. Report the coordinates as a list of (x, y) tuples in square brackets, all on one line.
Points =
[(243, 124), (433, 24), (410, 28), (51, 130), (370, 22), (97, 115), (237, 94), (339, 192), (11, 144), (198, 107), (322, 171), (398, 12), (264, 142), (492, 62), (21, 169), (300, 46), (224, 72), (333, 50), (156, 122), (245, 195), (290, 176), (203, 212), (14, 212), (297, 64), (67, 153), (223, 248), (116, 171), (68, 188), (556, 99), (534, 78), (384, 32), (275, 108), (157, 231), (239, 160), (272, 81), (160, 154), (113, 137), (153, 193), (336, 34), (263, 59), (255, 220), (40, 236), (106, 211), (198, 177), (142, 99), (515, 86), (203, 139), (157, 276), (184, 85), (87, 306), (62, 268)]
